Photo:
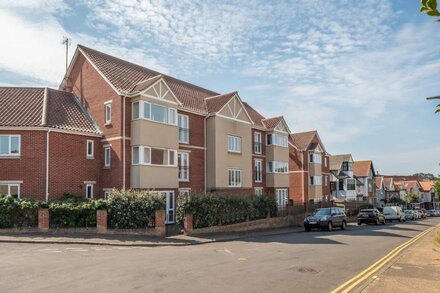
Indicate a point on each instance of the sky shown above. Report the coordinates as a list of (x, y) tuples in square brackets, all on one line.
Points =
[(356, 71)]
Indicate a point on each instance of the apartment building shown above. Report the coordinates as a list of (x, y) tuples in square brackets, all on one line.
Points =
[(309, 168), (342, 182), (364, 174)]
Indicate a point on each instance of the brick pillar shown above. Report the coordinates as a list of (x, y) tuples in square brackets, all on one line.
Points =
[(43, 220), (101, 221), (188, 224), (159, 224)]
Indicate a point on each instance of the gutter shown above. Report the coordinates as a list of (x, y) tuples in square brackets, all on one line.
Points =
[(205, 140), (123, 141), (47, 164)]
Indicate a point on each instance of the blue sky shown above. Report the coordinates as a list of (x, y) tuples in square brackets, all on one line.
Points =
[(357, 71)]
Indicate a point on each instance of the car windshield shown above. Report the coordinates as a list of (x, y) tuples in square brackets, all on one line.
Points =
[(367, 211), (322, 212), (408, 212)]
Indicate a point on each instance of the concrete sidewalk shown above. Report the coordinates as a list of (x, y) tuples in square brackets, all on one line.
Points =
[(134, 240), (416, 270)]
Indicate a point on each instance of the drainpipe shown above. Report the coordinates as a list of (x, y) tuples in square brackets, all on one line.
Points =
[(123, 141), (47, 165), (206, 163)]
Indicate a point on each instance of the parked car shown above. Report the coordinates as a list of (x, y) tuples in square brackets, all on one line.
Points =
[(326, 219), (366, 216), (421, 214), (431, 213), (418, 214), (393, 213), (410, 215)]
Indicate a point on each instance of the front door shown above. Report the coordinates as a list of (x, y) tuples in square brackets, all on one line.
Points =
[(169, 206), (282, 197)]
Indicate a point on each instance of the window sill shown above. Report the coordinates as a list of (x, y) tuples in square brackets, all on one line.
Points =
[(10, 157), (234, 153), (183, 142), (108, 124), (183, 180), (234, 186), (106, 168), (90, 158)]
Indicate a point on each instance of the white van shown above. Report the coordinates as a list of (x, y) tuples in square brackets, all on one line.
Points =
[(393, 213)]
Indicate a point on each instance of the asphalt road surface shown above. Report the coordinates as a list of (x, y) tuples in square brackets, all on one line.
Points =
[(294, 262)]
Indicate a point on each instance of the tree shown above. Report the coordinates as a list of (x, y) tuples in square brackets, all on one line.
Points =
[(397, 200), (437, 188), (430, 7), (412, 197)]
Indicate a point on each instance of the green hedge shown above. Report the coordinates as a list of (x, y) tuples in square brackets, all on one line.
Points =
[(18, 213), (133, 209), (211, 210), (74, 211)]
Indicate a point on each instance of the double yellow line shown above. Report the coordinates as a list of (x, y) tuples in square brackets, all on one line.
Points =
[(352, 283)]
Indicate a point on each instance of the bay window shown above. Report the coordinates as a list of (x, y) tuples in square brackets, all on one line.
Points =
[(277, 139), (144, 155), (153, 112), (277, 167)]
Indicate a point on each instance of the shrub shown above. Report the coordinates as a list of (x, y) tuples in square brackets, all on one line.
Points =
[(211, 210), (18, 213), (74, 212), (133, 209)]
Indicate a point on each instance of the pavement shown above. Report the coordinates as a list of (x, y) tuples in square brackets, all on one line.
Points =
[(417, 269), (133, 239), (294, 261)]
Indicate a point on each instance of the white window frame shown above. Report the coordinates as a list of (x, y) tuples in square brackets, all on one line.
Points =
[(282, 197), (182, 117), (325, 161), (87, 190), (142, 157), (107, 163), (234, 144), (275, 137), (315, 180), (315, 158), (108, 115), (92, 143), (234, 182), (106, 192), (185, 171), (171, 112), (258, 144), (184, 191), (139, 110), (258, 171), (258, 191), (9, 185), (10, 136), (274, 165)]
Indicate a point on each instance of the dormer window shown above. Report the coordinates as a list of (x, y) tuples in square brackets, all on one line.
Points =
[(346, 166)]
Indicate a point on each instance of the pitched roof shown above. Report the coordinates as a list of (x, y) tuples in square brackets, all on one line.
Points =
[(388, 181), (337, 160), (44, 108), (256, 117), (409, 185), (124, 75), (427, 185), (271, 123), (216, 103), (362, 168), (143, 85)]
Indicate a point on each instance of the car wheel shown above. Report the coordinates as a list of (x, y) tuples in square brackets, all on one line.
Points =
[(308, 229), (400, 220), (330, 226), (344, 225), (359, 223)]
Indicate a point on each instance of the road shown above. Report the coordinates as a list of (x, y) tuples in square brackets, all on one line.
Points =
[(294, 262)]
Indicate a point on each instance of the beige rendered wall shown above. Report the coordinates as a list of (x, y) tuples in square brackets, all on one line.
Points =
[(220, 160), (277, 180), (152, 177), (277, 153), (315, 169), (315, 191)]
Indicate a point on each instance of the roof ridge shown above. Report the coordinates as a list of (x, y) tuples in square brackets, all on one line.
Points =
[(145, 68), (219, 95)]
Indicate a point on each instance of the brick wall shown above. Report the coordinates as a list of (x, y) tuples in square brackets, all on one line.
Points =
[(30, 167), (69, 166)]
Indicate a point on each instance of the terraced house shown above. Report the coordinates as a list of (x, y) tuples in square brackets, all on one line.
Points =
[(127, 126)]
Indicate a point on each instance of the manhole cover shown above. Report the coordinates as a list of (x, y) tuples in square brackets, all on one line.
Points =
[(308, 270)]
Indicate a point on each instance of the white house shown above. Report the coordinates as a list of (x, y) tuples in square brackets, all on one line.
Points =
[(342, 181), (364, 173), (380, 191)]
